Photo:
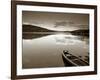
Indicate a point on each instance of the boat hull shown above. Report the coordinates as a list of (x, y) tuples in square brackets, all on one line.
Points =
[(71, 60)]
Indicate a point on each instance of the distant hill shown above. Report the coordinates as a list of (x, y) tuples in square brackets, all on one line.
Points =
[(81, 32), (33, 28)]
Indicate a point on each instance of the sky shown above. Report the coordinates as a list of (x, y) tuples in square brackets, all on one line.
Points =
[(56, 21)]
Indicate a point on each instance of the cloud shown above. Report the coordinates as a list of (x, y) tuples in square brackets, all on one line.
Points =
[(63, 23)]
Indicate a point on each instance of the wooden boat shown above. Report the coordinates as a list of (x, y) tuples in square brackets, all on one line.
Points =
[(71, 60)]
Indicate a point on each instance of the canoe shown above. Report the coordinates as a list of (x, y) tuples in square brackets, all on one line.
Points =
[(71, 60)]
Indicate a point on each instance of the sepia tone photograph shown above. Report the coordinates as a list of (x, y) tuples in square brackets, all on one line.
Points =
[(51, 39)]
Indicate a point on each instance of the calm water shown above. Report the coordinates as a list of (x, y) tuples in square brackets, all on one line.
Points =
[(40, 51)]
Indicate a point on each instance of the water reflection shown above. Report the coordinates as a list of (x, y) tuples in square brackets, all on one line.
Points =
[(41, 51), (70, 39), (33, 36)]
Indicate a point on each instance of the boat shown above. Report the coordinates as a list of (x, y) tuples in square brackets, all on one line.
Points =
[(71, 60)]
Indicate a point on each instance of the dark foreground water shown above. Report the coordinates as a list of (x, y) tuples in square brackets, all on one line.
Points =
[(41, 51)]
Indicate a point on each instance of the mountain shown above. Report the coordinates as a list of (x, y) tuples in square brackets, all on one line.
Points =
[(33, 28), (81, 30), (84, 32)]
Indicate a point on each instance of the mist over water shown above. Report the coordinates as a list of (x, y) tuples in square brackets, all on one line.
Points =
[(41, 51)]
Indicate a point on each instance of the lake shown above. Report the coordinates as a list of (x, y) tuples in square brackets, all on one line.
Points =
[(45, 50)]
